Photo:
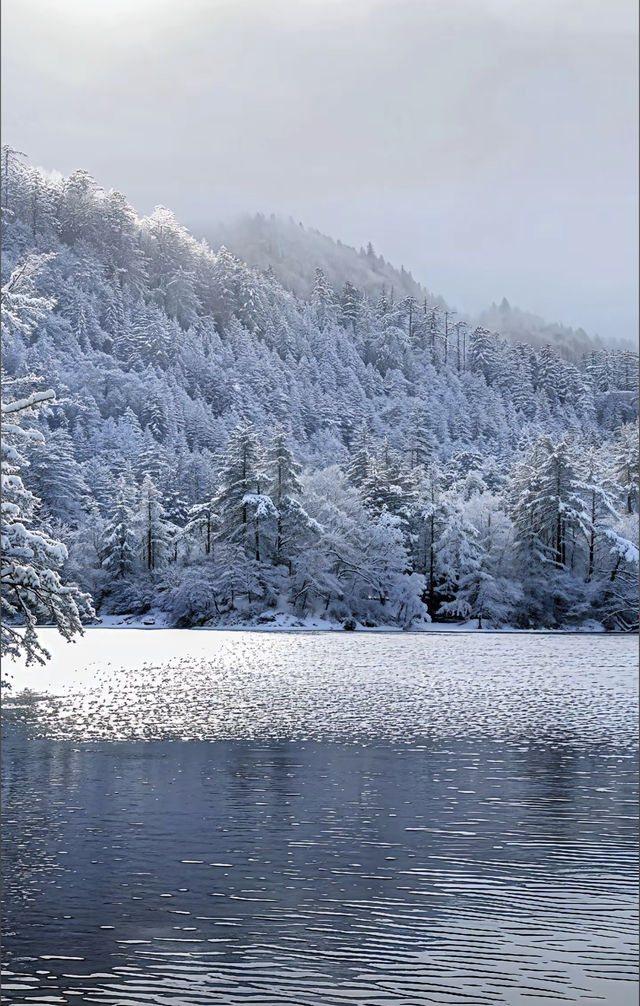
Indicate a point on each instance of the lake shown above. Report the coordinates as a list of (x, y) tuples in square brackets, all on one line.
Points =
[(322, 818)]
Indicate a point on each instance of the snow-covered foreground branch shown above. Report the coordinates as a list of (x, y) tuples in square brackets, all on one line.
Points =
[(32, 588)]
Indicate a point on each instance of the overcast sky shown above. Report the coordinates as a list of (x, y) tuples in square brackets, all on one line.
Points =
[(490, 146)]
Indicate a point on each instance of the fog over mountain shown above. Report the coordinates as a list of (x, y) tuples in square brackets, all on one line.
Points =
[(294, 252), (489, 145)]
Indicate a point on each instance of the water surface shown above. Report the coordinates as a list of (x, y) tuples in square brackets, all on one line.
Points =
[(322, 819)]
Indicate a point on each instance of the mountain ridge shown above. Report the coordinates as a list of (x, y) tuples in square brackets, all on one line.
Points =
[(294, 251)]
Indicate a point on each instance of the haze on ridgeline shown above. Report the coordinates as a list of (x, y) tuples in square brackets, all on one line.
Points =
[(489, 146)]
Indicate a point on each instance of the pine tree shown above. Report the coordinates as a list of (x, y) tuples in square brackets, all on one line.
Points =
[(12, 175), (431, 518), (388, 485), (58, 479), (548, 372), (626, 465), (23, 308), (547, 509), (357, 468), (238, 477), (596, 493), (551, 527), (282, 469), (120, 537), (41, 212), (79, 214), (322, 299), (201, 525), (155, 531), (457, 559), (420, 445), (486, 588), (284, 488), (482, 352), (350, 305)]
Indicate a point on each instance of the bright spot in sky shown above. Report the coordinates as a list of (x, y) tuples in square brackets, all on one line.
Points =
[(98, 12)]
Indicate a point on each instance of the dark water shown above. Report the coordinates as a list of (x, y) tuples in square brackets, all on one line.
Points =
[(332, 862)]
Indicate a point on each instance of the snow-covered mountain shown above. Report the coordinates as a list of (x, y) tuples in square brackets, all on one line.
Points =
[(224, 447), (294, 252), (523, 326)]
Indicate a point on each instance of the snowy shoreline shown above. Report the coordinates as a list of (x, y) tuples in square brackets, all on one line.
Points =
[(156, 621)]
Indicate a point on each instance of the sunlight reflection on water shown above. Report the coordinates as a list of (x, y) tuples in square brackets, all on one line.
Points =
[(388, 819)]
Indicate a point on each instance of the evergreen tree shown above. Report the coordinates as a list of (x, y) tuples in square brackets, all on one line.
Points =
[(239, 477), (626, 465), (58, 479), (120, 546), (12, 176), (458, 558), (350, 301), (155, 531), (282, 469), (420, 445), (293, 523), (201, 525), (357, 468), (322, 299), (431, 518), (482, 352), (485, 587)]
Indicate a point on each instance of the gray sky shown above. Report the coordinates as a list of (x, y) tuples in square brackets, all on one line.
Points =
[(488, 145)]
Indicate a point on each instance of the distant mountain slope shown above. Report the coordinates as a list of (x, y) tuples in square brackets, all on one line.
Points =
[(294, 252), (522, 326)]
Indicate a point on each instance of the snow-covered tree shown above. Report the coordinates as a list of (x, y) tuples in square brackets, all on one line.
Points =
[(626, 465), (155, 531), (32, 588), (238, 478), (486, 586), (120, 548), (23, 307), (294, 527), (201, 525)]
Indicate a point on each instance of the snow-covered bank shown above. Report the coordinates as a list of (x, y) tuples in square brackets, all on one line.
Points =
[(283, 622)]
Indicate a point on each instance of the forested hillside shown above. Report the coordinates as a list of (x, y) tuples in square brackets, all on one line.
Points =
[(223, 449), (294, 252), (521, 326)]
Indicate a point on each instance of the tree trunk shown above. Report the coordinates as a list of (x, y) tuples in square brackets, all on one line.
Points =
[(446, 337), (149, 538), (592, 538), (430, 604), (558, 542)]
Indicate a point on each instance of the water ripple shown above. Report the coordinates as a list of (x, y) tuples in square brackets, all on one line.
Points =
[(408, 831)]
